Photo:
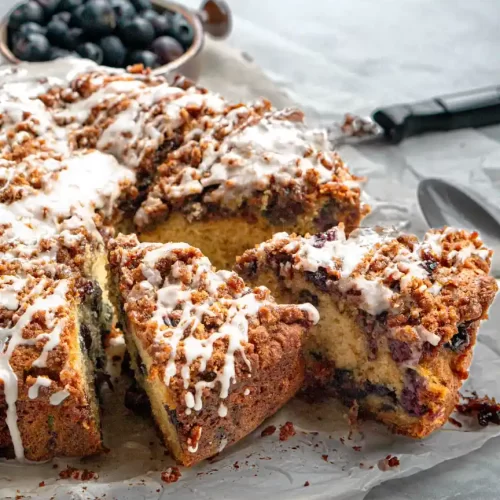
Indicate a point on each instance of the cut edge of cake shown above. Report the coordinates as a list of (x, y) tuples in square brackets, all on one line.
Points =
[(399, 316)]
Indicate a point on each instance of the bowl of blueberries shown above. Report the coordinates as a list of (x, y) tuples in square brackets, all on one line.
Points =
[(158, 34)]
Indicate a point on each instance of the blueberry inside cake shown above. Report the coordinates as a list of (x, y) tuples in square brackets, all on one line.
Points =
[(399, 316), (215, 357)]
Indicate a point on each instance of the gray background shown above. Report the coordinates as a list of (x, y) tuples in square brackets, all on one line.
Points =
[(334, 56)]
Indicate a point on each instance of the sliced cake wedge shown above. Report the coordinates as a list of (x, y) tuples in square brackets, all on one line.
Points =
[(399, 316), (215, 357)]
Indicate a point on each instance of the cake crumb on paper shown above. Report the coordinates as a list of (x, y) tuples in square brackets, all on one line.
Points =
[(287, 431), (388, 463), (171, 475), (484, 408), (268, 431)]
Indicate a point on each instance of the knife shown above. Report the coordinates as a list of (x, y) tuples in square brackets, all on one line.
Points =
[(470, 109)]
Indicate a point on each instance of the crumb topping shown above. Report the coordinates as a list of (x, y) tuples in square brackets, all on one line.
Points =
[(195, 322), (418, 289), (246, 152)]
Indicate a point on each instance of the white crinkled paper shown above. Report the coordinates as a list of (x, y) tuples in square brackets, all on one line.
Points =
[(264, 467)]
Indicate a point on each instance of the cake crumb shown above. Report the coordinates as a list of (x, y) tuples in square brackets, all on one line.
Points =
[(325, 457), (388, 463), (356, 448), (455, 422), (485, 409), (287, 431), (79, 475), (268, 431), (171, 475), (41, 484), (306, 483)]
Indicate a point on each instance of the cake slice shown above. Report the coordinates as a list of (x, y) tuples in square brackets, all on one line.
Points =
[(215, 357), (248, 172), (51, 319), (399, 317)]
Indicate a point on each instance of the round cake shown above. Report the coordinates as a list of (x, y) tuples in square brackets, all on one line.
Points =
[(96, 151)]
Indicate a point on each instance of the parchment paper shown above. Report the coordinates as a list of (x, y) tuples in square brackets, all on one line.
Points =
[(320, 455)]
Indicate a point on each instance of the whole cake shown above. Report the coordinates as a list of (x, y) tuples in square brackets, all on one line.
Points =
[(101, 150), (215, 357), (399, 316)]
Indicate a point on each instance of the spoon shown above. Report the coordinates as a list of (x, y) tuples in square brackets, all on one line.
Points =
[(444, 204)]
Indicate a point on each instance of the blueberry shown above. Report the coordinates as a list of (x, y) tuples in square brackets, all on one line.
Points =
[(90, 51), (56, 31), (57, 52), (460, 340), (149, 14), (137, 32), (141, 5), (113, 51), (145, 57), (76, 17), (123, 9), (72, 38), (32, 47), (182, 31), (27, 12), (30, 27), (161, 23), (167, 49), (65, 17), (49, 7), (70, 5), (98, 18)]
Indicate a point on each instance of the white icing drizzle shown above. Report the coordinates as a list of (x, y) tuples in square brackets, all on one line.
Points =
[(40, 382), (10, 286), (14, 334), (311, 312), (151, 110), (351, 258), (427, 336), (223, 444), (222, 411), (341, 253), (246, 392), (194, 449), (253, 155), (172, 294), (58, 397), (51, 304)]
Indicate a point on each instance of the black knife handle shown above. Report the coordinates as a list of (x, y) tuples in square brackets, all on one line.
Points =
[(473, 109)]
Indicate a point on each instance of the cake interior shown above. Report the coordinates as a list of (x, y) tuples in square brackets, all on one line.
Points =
[(222, 239), (343, 361)]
